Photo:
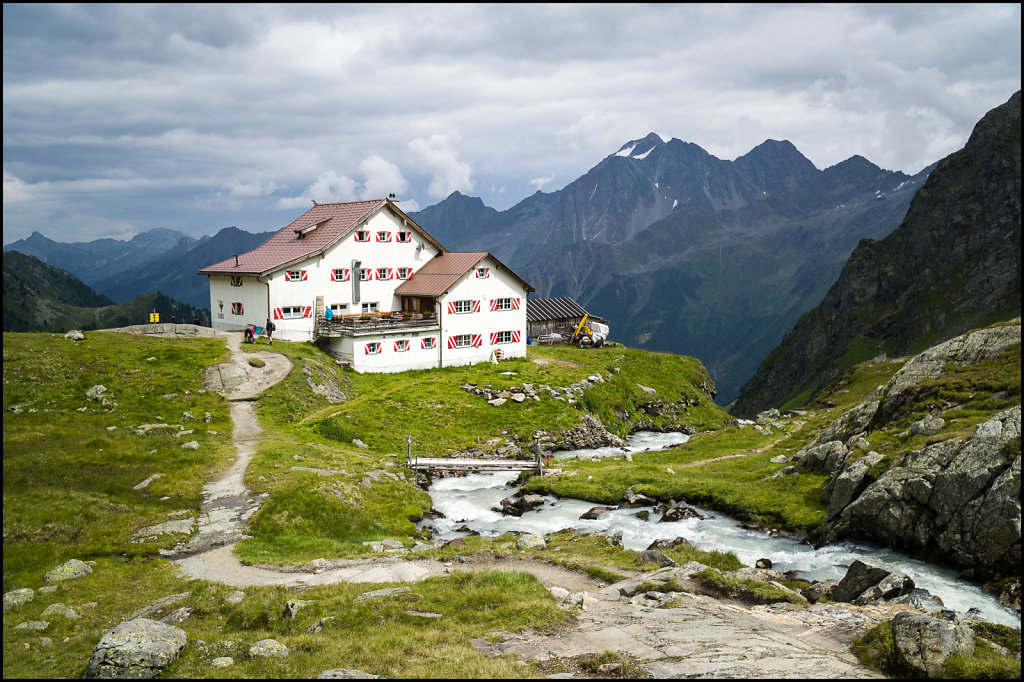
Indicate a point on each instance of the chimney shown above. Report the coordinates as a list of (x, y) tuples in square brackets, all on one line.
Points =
[(392, 198), (236, 260)]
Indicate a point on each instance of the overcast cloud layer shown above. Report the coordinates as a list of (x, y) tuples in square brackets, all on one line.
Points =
[(121, 118)]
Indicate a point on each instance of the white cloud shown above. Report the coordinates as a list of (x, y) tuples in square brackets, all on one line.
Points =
[(540, 182), (437, 156), (14, 189), (381, 178), (328, 187)]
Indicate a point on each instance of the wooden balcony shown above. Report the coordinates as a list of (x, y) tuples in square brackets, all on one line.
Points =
[(374, 323)]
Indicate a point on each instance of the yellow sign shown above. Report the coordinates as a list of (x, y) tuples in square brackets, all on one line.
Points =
[(154, 317)]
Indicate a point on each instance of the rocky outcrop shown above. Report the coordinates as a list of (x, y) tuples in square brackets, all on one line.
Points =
[(953, 262), (958, 496)]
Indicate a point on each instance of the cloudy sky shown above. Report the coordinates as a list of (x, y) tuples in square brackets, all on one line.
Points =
[(121, 118)]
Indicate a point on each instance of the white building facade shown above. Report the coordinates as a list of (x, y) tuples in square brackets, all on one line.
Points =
[(374, 289)]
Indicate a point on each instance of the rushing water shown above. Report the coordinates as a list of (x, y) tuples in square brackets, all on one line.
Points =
[(468, 501)]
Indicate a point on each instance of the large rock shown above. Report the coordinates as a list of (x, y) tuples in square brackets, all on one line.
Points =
[(16, 598), (530, 542), (848, 483), (827, 456), (869, 579), (267, 648), (136, 649), (67, 571), (925, 642)]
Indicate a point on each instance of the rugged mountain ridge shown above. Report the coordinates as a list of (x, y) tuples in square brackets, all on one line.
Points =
[(41, 297), (953, 263), (94, 261), (687, 253)]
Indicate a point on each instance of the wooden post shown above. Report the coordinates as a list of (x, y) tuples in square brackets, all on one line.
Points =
[(536, 450), (409, 455)]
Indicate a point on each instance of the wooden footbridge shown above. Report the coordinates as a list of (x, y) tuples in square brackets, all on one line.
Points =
[(456, 465)]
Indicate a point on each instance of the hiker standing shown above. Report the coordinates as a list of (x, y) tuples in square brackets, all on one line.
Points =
[(174, 320), (270, 331)]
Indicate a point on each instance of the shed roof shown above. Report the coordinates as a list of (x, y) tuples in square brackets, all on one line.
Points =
[(541, 309), (441, 272), (310, 234)]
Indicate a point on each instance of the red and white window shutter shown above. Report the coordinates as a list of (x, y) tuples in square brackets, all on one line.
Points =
[(290, 277), (278, 314), (516, 335), (478, 339), (372, 348), (515, 304), (429, 342), (402, 345), (383, 236), (307, 311), (476, 306), (341, 274), (483, 273)]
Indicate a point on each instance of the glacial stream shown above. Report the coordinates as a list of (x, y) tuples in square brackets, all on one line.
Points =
[(467, 501)]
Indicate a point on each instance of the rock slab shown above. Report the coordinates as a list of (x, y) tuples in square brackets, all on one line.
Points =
[(925, 642)]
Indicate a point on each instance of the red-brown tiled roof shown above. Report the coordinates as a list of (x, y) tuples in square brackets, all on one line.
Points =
[(441, 272), (333, 222)]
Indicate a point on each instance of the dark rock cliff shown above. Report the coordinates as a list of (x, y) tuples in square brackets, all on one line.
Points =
[(953, 264)]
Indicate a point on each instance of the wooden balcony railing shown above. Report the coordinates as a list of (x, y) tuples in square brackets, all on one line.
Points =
[(373, 322)]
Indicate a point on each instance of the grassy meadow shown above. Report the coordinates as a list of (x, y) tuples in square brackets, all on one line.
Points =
[(71, 465)]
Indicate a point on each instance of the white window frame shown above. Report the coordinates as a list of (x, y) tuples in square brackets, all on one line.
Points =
[(236, 280), (464, 306), (383, 274), (338, 309), (429, 342), (342, 274), (501, 338), (291, 312), (295, 275), (383, 236), (365, 235), (482, 273), (463, 340), (378, 347), (365, 274), (237, 308), (404, 273), (403, 345), (370, 307), (503, 304), (404, 237)]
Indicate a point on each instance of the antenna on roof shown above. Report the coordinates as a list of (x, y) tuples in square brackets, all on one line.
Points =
[(314, 202), (392, 198)]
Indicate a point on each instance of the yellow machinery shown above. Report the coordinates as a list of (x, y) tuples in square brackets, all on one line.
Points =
[(592, 335)]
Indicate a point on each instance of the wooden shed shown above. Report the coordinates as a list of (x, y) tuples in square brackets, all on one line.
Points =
[(554, 316)]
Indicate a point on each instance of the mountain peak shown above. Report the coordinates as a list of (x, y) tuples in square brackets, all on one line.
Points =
[(639, 149), (776, 165)]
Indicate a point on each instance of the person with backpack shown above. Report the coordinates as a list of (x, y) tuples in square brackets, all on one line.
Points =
[(270, 331)]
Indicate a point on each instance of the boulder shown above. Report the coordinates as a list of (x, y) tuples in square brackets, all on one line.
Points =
[(136, 649), (378, 594), (61, 611), (530, 542), (178, 616), (74, 335), (68, 571), (234, 597), (594, 512), (925, 642), (669, 544), (653, 556), (819, 590), (632, 499), (679, 512), (928, 426), (824, 457), (763, 563), (291, 608), (222, 662), (16, 598), (869, 579), (318, 625), (268, 648)]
